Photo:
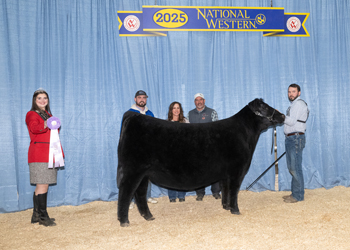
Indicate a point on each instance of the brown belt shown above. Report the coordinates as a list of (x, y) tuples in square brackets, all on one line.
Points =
[(295, 133)]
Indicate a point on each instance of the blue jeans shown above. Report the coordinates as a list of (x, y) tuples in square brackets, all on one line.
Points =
[(294, 154), (149, 190), (173, 193)]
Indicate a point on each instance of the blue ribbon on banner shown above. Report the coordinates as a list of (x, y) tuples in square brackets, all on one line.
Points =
[(190, 18)]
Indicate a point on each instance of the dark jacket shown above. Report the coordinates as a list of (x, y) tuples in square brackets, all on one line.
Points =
[(204, 116)]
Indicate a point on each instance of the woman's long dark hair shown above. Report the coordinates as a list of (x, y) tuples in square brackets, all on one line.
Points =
[(170, 112), (35, 107)]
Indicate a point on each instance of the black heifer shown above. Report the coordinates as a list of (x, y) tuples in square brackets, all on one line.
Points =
[(188, 156)]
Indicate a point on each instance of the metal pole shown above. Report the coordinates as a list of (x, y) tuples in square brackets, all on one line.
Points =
[(276, 164)]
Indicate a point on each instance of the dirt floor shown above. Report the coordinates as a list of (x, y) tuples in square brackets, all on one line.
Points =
[(322, 221)]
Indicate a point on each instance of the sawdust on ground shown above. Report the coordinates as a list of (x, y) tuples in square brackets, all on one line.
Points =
[(322, 221)]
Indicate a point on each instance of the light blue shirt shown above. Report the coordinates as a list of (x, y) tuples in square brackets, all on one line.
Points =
[(296, 117)]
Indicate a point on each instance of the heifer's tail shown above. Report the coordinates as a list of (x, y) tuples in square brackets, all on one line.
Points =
[(124, 122), (119, 175), (126, 119)]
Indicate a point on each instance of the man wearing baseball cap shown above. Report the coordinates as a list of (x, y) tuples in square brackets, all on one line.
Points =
[(140, 104), (203, 114), (140, 107)]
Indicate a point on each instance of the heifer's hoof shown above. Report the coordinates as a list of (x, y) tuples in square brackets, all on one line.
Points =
[(217, 196), (126, 224), (150, 218), (199, 198), (235, 212), (226, 207)]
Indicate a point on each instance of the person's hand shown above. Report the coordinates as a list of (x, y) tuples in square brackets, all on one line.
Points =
[(45, 124)]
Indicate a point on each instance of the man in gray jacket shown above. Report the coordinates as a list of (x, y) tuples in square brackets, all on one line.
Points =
[(294, 129), (203, 114)]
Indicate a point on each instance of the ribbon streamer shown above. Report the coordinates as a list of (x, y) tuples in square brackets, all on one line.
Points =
[(55, 152)]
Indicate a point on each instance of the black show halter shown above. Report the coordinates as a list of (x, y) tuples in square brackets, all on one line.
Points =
[(268, 117)]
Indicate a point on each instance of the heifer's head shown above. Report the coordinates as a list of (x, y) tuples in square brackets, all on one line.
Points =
[(271, 115)]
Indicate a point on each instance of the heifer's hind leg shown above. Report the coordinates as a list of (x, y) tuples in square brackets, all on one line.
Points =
[(124, 199), (141, 199), (126, 192)]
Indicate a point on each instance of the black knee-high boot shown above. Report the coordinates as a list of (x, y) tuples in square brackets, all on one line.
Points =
[(35, 216), (44, 218)]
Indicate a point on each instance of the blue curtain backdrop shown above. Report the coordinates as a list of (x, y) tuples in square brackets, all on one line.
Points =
[(72, 49)]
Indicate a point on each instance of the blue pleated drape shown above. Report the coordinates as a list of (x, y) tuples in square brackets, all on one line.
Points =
[(72, 49)]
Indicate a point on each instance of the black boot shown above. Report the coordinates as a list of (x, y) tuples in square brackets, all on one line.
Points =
[(44, 218), (35, 216)]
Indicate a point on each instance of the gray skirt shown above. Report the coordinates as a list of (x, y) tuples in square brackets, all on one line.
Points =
[(41, 174)]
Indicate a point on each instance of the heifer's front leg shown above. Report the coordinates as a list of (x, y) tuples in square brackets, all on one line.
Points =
[(233, 193), (141, 200), (225, 201)]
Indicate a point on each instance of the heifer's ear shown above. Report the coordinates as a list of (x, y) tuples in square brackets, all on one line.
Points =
[(254, 105), (259, 102), (262, 105)]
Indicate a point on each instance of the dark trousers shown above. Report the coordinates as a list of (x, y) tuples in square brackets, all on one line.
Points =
[(215, 189), (173, 194)]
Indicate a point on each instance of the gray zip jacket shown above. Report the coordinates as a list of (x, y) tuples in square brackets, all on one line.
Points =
[(296, 117), (204, 116)]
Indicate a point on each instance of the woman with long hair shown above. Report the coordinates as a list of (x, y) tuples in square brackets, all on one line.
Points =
[(38, 156), (176, 114)]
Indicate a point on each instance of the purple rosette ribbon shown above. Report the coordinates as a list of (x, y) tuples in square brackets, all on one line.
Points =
[(53, 123), (55, 150)]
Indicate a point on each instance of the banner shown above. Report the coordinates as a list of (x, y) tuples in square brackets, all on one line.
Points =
[(157, 20), (183, 18)]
